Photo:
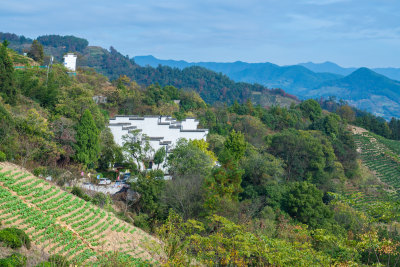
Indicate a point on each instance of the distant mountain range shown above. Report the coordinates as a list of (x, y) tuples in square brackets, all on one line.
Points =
[(392, 73), (364, 88)]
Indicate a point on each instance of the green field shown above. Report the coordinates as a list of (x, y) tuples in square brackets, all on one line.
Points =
[(60, 223), (381, 156)]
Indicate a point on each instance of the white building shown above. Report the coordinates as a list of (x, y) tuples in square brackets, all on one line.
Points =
[(163, 131), (70, 61)]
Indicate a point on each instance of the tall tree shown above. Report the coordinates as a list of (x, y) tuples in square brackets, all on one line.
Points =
[(303, 201), (137, 147), (36, 52), (87, 139), (159, 156), (234, 147), (7, 88)]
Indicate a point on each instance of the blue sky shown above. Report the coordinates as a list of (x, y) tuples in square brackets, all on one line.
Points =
[(348, 32)]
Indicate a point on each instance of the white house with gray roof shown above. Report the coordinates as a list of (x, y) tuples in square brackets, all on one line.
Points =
[(163, 131)]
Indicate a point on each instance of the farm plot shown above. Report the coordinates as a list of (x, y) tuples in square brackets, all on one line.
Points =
[(61, 223), (381, 158)]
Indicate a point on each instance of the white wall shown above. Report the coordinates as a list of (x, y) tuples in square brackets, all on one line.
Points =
[(70, 61), (165, 127)]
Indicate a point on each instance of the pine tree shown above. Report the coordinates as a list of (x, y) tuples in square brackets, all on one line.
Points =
[(87, 140), (7, 88), (36, 52)]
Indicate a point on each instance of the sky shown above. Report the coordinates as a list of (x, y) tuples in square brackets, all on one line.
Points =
[(357, 33)]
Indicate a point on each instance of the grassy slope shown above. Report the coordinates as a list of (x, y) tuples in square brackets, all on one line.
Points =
[(59, 222)]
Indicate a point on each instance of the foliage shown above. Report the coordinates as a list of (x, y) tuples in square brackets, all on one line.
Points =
[(77, 191), (159, 156), (3, 156), (188, 159), (36, 52), (7, 81), (307, 155), (69, 42), (311, 109), (137, 147), (260, 170), (14, 260), (149, 186), (223, 186), (347, 113), (87, 139), (110, 152), (222, 242), (234, 146), (279, 118), (303, 201), (14, 238), (55, 260)]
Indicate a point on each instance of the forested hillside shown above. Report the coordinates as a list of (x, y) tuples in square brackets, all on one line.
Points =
[(278, 186), (211, 86)]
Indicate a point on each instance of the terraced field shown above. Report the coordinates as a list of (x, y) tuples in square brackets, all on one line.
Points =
[(61, 223), (382, 157)]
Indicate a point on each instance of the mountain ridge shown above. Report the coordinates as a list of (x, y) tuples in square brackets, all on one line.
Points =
[(307, 80)]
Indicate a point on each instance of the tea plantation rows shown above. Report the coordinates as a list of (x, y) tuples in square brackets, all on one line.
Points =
[(61, 223)]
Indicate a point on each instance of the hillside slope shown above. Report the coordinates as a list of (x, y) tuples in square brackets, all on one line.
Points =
[(365, 89), (61, 223), (212, 86), (381, 156), (293, 79)]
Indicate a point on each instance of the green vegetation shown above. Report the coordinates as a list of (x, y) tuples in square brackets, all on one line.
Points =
[(14, 238), (14, 260), (49, 211), (7, 80), (277, 186), (87, 139), (382, 157), (36, 52)]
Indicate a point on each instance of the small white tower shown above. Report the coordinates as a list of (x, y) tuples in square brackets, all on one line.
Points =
[(70, 61)]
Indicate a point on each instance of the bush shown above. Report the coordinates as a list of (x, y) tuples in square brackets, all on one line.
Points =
[(58, 260), (21, 235), (77, 191), (10, 239), (142, 221), (100, 199), (39, 171), (55, 260), (3, 156), (15, 260)]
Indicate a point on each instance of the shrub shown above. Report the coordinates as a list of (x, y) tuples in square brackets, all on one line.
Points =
[(15, 260), (100, 199), (10, 239), (39, 171), (21, 235), (14, 238), (77, 191), (142, 221), (58, 260), (3, 156)]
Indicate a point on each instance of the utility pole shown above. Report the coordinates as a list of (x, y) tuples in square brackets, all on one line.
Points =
[(49, 67)]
